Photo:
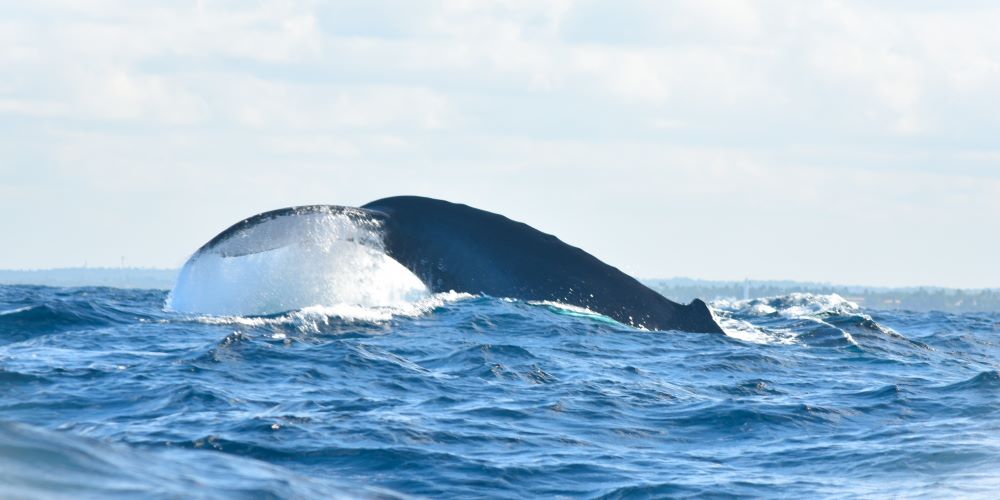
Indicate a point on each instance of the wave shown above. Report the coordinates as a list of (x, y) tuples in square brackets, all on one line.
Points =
[(316, 318), (51, 316), (984, 381), (743, 320), (577, 312), (813, 319), (461, 395), (16, 310), (313, 319), (39, 463), (793, 305)]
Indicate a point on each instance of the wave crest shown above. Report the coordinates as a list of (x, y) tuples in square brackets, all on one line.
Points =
[(813, 319), (314, 319)]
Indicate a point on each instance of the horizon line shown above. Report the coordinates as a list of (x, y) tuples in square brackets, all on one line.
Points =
[(641, 279)]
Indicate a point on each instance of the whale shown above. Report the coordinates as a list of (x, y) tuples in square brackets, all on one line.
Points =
[(419, 243)]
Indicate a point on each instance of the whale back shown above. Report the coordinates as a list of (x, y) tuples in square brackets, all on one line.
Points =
[(451, 246)]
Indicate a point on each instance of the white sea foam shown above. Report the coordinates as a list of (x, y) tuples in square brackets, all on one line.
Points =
[(296, 262), (802, 306), (793, 305), (16, 310), (313, 318), (748, 332)]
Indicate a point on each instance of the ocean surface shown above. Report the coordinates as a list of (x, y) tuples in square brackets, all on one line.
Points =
[(104, 393)]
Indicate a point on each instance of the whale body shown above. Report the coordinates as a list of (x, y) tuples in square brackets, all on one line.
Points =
[(423, 244)]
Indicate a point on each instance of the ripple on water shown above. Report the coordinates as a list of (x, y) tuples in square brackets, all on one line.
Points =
[(485, 397)]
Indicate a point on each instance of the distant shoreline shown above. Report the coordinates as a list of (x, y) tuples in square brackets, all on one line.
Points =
[(678, 289), (118, 277), (926, 298)]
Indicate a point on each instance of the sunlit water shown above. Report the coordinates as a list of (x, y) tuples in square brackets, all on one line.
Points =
[(103, 393)]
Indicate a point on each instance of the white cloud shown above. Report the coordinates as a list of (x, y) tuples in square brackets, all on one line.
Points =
[(794, 139)]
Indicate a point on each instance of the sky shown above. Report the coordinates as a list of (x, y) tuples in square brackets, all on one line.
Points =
[(832, 141)]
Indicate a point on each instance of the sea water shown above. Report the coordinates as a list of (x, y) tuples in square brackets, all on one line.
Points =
[(108, 393)]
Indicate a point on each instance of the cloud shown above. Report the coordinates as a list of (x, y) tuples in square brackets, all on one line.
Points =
[(856, 128)]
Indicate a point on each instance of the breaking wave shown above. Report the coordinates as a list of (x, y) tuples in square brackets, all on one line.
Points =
[(103, 393), (798, 317)]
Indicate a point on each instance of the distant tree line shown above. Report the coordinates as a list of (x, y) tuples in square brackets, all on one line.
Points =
[(913, 299), (118, 277)]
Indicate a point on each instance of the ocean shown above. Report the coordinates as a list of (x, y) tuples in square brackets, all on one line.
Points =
[(105, 392)]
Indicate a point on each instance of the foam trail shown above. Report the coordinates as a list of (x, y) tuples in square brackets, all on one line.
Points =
[(292, 262)]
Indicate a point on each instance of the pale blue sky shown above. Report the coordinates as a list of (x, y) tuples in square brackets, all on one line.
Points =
[(850, 142)]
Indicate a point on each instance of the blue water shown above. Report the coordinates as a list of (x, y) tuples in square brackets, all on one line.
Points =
[(103, 393)]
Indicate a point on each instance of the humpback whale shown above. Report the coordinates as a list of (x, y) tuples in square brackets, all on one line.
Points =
[(416, 244)]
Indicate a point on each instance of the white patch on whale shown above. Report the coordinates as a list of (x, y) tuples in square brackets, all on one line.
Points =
[(294, 261)]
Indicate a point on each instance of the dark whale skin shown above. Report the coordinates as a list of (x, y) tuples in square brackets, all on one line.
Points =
[(450, 246)]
